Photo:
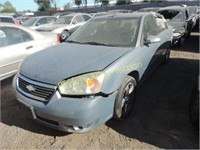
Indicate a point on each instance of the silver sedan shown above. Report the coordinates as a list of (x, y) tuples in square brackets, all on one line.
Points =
[(17, 42)]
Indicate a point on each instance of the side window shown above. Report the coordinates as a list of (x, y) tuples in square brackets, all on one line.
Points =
[(178, 17), (11, 36), (42, 21), (78, 19), (150, 27), (86, 17), (26, 36), (51, 20)]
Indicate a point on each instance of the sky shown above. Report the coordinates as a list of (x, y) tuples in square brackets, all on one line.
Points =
[(21, 5)]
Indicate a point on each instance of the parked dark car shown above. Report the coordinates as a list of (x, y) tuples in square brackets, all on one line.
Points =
[(194, 106), (178, 18), (82, 83)]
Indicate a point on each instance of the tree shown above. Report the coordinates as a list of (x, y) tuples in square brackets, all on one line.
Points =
[(54, 3), (44, 5), (67, 6), (77, 2), (7, 7), (103, 2), (123, 2)]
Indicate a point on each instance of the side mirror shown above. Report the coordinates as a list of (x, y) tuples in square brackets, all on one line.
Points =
[(151, 39), (74, 22)]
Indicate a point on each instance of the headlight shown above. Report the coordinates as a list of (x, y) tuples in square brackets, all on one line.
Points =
[(86, 84)]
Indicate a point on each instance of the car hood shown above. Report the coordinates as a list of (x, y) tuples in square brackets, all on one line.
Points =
[(67, 60), (51, 27)]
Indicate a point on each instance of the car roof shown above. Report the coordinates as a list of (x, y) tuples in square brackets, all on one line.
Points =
[(179, 8), (73, 14), (126, 15)]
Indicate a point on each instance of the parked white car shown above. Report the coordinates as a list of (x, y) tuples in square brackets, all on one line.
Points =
[(17, 42), (36, 22), (66, 25)]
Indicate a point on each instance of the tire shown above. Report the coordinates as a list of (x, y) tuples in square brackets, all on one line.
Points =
[(125, 98), (64, 35), (167, 57), (194, 109)]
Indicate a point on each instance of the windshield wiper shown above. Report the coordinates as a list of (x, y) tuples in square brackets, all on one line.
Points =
[(97, 43), (90, 43)]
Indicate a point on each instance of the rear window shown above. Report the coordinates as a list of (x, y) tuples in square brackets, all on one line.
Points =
[(5, 19)]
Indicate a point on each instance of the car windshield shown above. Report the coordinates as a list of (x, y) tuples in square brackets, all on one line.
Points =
[(64, 20), (171, 14), (116, 32), (30, 22)]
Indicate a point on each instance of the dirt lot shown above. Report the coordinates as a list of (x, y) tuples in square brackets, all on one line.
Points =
[(160, 118)]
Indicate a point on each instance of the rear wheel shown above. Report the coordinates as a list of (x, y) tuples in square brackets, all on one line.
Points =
[(64, 35), (125, 98)]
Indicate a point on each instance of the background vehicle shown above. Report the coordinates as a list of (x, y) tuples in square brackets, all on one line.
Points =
[(66, 25), (93, 75), (36, 22), (177, 17), (17, 42), (8, 19), (149, 9), (58, 15), (194, 106)]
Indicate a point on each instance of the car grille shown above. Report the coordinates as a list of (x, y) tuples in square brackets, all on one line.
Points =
[(35, 90)]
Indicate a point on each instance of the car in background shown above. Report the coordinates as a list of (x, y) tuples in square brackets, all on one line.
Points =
[(22, 19), (36, 22), (66, 25), (7, 19), (119, 11), (91, 77), (17, 42), (194, 105), (58, 15), (149, 9), (193, 14), (178, 18)]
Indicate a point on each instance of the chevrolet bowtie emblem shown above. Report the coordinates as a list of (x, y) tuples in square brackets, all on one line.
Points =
[(30, 88)]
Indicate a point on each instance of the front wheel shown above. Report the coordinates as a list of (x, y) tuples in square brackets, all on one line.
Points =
[(125, 98)]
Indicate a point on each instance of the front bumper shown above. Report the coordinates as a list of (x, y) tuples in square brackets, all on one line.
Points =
[(69, 114)]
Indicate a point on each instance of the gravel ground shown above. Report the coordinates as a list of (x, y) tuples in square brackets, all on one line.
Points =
[(160, 117)]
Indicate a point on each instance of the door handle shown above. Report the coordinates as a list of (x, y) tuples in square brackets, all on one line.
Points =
[(29, 47)]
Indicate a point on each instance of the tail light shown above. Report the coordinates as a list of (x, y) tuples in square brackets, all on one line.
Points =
[(17, 22), (58, 38)]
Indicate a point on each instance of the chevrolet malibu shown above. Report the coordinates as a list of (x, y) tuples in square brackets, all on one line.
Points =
[(82, 83)]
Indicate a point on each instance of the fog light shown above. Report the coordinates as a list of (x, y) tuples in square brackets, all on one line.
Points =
[(77, 128)]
